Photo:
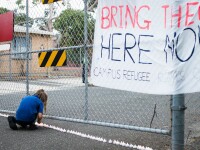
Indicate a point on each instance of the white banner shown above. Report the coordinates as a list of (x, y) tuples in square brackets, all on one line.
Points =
[(147, 46)]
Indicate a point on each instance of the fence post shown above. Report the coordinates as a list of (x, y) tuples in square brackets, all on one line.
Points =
[(178, 112), (86, 59), (10, 63), (27, 48)]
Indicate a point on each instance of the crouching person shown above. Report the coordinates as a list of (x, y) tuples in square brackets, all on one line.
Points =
[(30, 109)]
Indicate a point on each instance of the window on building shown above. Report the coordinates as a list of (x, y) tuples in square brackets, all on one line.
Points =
[(19, 48)]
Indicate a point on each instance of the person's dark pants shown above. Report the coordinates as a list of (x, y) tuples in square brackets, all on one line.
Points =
[(12, 123), (24, 124)]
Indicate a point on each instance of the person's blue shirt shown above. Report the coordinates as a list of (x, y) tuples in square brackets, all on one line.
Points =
[(28, 109)]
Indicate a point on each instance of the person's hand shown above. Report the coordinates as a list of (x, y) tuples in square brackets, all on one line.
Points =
[(39, 117)]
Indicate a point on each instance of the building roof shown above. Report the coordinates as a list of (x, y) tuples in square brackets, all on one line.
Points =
[(4, 47), (32, 30)]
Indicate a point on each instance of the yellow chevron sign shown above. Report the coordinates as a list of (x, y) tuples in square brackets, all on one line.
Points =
[(53, 58), (49, 1)]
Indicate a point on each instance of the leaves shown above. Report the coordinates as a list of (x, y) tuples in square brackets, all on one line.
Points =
[(70, 24), (3, 10), (19, 19)]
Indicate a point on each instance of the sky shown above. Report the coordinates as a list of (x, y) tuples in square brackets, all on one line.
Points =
[(38, 10)]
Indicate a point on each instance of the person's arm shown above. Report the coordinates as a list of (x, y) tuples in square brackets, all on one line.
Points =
[(39, 117)]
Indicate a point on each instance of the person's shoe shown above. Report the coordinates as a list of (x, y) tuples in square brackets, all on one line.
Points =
[(33, 127), (12, 122)]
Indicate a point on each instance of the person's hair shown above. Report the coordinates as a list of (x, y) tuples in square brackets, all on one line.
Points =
[(43, 97)]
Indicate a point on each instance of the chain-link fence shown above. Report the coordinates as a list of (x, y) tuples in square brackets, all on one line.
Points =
[(64, 25)]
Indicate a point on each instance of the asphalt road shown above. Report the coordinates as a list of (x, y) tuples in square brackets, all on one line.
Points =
[(50, 139)]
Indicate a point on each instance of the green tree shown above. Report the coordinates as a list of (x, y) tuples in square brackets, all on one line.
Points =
[(70, 24), (19, 4), (50, 13), (3, 10), (19, 18)]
